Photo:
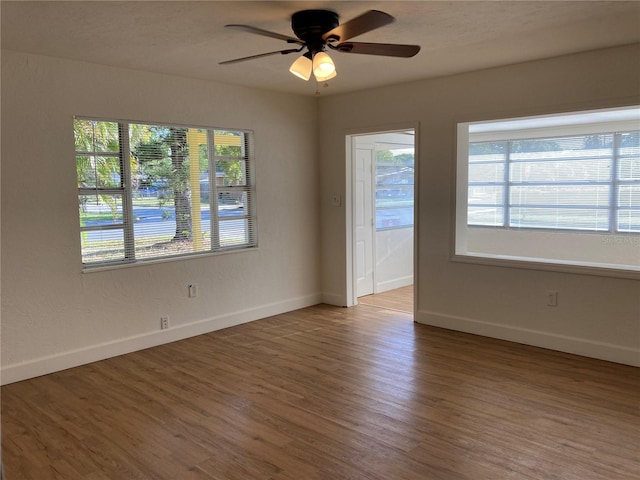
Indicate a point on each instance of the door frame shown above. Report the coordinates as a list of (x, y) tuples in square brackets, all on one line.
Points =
[(350, 205)]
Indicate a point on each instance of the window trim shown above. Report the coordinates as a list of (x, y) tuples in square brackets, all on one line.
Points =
[(460, 185), (126, 191)]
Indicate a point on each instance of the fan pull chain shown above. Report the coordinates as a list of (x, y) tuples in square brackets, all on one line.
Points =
[(326, 85)]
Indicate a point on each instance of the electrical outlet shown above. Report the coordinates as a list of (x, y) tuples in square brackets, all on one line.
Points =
[(164, 323), (552, 298), (193, 290)]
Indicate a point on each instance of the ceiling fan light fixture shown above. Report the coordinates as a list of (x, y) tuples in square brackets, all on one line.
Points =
[(328, 77), (323, 67), (302, 67)]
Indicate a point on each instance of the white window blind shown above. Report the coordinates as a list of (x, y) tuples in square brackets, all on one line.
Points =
[(586, 182), (150, 191)]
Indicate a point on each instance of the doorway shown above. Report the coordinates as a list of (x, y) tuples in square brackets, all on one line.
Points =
[(382, 166)]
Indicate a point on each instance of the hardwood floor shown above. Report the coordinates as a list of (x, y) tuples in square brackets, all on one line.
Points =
[(400, 299), (328, 393)]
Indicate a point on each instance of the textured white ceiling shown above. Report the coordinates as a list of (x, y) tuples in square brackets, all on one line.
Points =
[(189, 39)]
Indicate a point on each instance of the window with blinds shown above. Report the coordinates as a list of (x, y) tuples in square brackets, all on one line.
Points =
[(556, 189), (148, 192)]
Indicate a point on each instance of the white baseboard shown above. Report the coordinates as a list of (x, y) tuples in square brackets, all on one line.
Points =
[(54, 363), (561, 343), (393, 284)]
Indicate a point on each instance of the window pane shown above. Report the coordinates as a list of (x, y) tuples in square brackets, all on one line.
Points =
[(234, 232), (229, 143), (562, 171), (231, 172), (394, 195), (401, 216), (629, 221), (394, 190), (171, 192), (487, 164), (100, 246), (629, 168), (562, 148), (100, 210), (486, 172), (156, 245), (559, 218), (98, 172), (487, 152), (629, 144), (488, 216), (486, 195), (232, 203), (96, 136), (155, 228), (394, 206), (629, 196), (560, 195), (394, 174)]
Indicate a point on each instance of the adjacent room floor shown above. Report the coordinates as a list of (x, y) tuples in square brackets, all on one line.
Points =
[(400, 299)]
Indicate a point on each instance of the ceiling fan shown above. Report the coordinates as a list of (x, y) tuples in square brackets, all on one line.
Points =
[(316, 30)]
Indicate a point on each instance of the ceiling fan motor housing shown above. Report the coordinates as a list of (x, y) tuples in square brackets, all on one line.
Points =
[(310, 25)]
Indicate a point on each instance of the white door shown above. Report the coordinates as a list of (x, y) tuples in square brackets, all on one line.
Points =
[(364, 221)]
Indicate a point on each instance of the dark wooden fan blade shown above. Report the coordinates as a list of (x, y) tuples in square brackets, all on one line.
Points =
[(364, 23), (266, 33), (385, 49), (243, 59)]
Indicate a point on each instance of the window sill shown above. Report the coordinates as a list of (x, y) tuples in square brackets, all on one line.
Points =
[(602, 270), (140, 263)]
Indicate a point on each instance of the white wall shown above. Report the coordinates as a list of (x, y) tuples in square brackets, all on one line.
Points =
[(394, 259), (596, 316), (620, 252), (54, 316)]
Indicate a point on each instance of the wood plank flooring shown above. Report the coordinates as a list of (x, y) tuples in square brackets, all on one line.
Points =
[(400, 299), (328, 393)]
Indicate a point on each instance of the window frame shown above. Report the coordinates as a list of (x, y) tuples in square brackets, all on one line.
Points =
[(512, 132), (125, 189)]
